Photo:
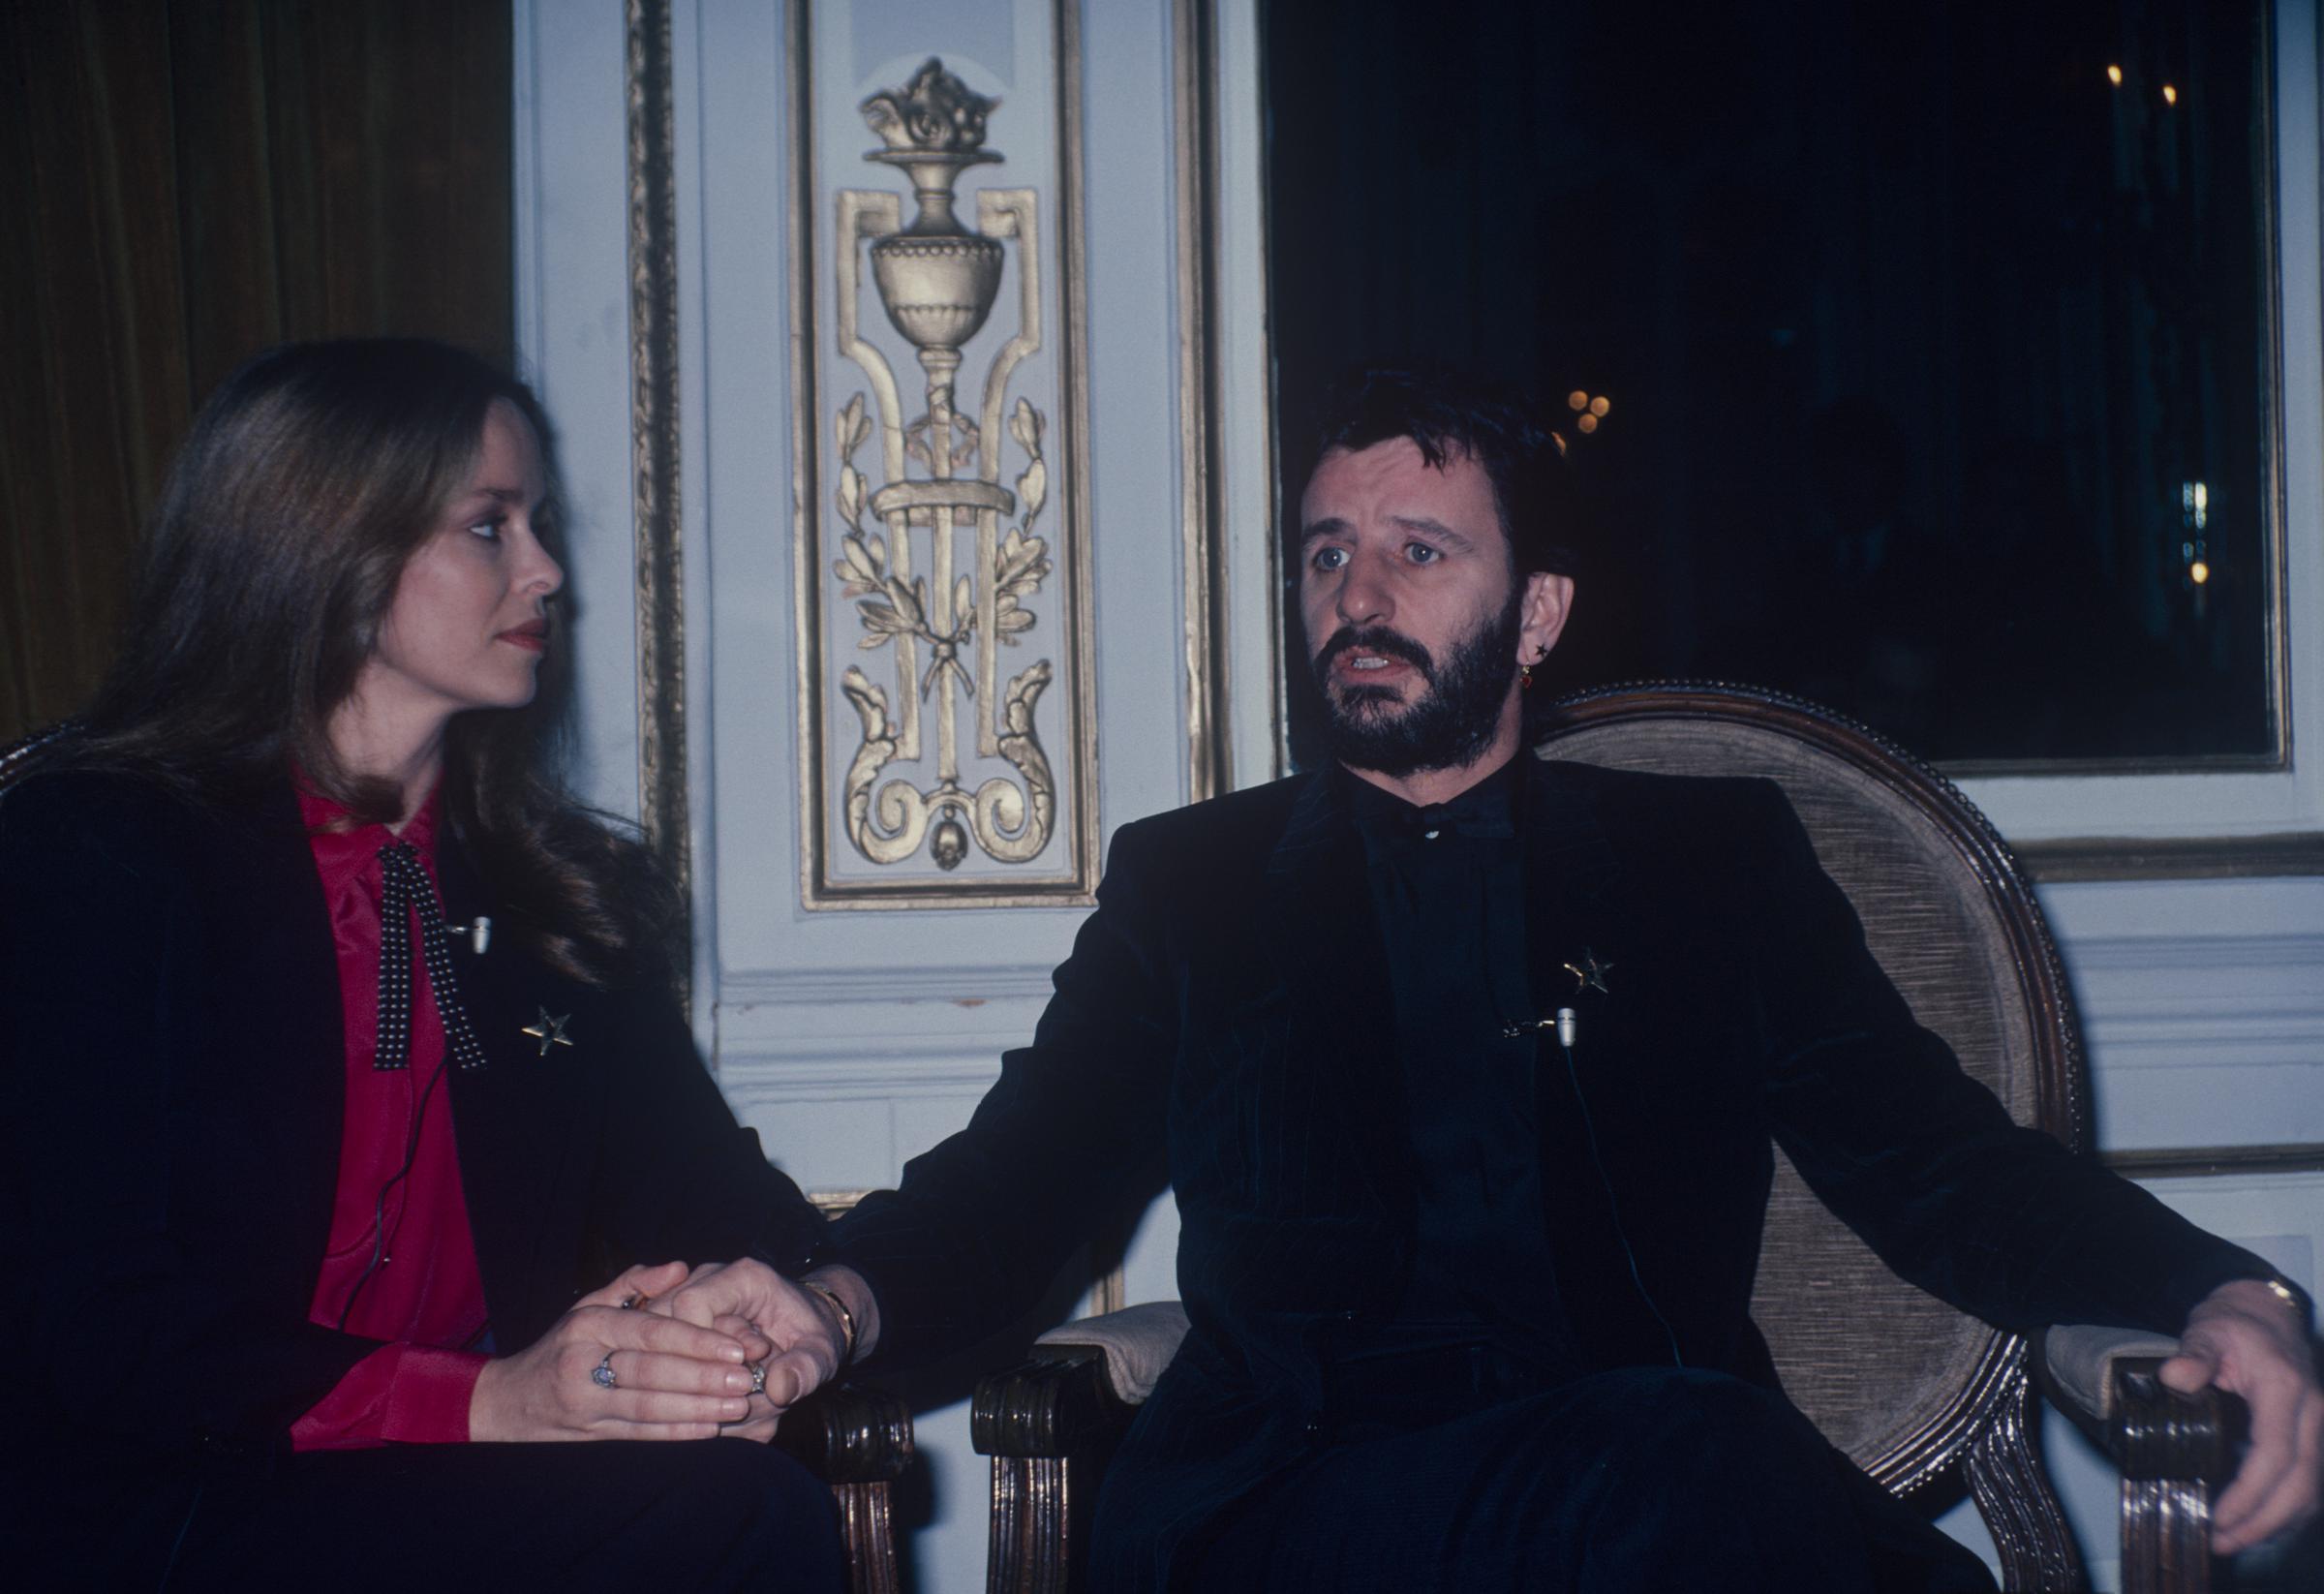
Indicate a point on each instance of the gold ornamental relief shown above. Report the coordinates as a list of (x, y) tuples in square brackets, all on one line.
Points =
[(941, 560)]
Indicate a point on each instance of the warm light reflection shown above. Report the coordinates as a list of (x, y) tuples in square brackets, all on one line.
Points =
[(2170, 95), (1587, 424), (1577, 400), (2194, 504), (1599, 407), (2198, 572), (2114, 76)]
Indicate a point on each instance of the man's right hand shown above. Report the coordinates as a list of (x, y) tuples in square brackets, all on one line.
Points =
[(673, 1379), (2250, 1339), (809, 1338)]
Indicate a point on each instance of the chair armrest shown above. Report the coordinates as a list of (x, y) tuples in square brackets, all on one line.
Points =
[(1051, 1424), (2155, 1433), (858, 1440), (2105, 1380), (1078, 1390), (849, 1433), (1137, 1343), (1057, 1403), (2076, 1363), (2170, 1448)]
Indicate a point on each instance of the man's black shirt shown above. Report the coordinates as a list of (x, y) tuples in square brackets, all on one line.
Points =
[(1447, 883)]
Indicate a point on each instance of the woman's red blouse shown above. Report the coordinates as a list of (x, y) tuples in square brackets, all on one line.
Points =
[(426, 1297)]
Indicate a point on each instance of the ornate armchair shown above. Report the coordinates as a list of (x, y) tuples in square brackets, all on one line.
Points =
[(1907, 1387)]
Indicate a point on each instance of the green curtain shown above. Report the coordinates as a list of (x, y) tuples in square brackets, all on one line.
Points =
[(183, 183)]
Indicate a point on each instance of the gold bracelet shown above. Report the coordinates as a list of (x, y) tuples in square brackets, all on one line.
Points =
[(846, 1317)]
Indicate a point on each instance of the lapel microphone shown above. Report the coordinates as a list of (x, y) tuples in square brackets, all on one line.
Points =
[(1567, 1024), (478, 933)]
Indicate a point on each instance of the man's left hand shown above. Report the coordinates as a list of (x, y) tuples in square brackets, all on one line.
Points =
[(2248, 1339)]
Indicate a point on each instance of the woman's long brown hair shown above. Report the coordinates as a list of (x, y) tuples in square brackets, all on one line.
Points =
[(308, 479)]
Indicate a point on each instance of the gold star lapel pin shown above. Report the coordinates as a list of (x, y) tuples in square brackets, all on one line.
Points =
[(1589, 975), (550, 1030)]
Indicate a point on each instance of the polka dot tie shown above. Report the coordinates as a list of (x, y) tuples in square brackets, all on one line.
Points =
[(405, 890)]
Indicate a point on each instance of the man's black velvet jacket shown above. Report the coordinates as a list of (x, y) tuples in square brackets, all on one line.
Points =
[(1227, 1003), (172, 1061)]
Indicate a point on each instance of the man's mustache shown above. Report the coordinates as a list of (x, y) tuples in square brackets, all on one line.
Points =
[(1376, 639)]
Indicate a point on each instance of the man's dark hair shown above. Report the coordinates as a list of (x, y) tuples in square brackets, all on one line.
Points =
[(1448, 412)]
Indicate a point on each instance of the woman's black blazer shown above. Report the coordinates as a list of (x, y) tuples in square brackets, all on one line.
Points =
[(171, 1056)]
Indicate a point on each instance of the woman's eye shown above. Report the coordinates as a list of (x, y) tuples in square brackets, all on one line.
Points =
[(489, 530)]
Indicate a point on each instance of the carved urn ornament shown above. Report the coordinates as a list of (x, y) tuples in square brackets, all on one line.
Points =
[(939, 280), (936, 277)]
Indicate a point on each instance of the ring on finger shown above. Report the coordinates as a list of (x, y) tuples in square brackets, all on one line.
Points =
[(758, 1378), (602, 1373)]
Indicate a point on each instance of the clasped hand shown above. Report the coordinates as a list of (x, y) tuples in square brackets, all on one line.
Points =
[(724, 1348), (670, 1378), (803, 1335)]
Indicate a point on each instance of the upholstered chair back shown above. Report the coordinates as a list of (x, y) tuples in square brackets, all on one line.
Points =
[(1901, 1382)]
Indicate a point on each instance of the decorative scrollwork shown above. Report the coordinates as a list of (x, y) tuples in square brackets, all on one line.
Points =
[(938, 282), (1010, 827)]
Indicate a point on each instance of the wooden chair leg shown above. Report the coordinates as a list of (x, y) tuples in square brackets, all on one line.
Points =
[(868, 1530), (2166, 1537), (1030, 1550)]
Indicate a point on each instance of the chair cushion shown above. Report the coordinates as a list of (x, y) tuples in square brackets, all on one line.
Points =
[(2080, 1360), (1137, 1343)]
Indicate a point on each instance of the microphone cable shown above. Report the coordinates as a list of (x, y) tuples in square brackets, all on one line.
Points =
[(1567, 1027), (380, 1237)]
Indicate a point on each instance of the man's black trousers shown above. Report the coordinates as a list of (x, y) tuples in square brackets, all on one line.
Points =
[(1633, 1481)]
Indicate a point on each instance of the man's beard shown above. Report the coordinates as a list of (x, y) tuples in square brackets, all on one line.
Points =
[(1457, 713)]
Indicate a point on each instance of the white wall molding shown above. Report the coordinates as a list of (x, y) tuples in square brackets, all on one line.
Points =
[(967, 986), (842, 1076), (2198, 955), (2202, 1004)]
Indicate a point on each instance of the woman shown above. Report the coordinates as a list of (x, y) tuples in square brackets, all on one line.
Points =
[(345, 1116)]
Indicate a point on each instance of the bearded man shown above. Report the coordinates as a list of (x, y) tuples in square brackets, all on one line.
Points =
[(1470, 1306)]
